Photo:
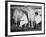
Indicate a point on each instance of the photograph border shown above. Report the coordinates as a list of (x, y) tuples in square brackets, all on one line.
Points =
[(6, 18)]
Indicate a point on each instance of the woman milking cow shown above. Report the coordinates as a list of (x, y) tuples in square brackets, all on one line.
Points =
[(23, 17)]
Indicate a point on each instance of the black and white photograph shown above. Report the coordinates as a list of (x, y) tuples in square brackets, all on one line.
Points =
[(25, 18)]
